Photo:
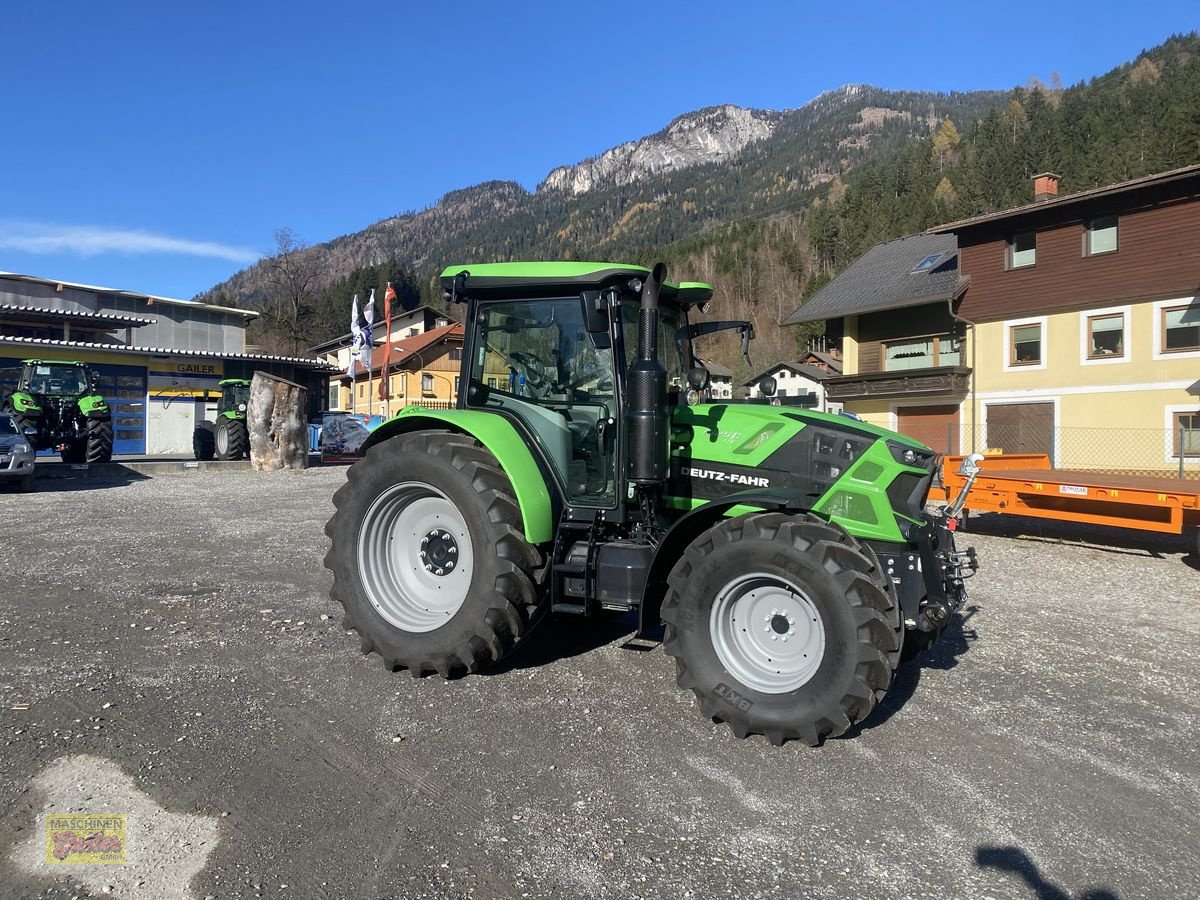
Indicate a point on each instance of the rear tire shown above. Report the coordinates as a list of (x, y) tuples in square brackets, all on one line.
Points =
[(423, 493), (98, 446), (747, 584), (204, 445), (230, 439)]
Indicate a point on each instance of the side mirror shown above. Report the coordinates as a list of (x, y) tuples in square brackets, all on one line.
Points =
[(698, 378), (592, 311), (970, 465), (767, 386)]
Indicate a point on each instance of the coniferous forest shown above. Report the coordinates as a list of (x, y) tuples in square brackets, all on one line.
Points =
[(775, 223)]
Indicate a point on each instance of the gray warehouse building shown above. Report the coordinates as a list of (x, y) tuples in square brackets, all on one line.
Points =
[(159, 359)]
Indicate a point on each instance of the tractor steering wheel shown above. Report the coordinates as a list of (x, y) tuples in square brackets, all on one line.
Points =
[(530, 368)]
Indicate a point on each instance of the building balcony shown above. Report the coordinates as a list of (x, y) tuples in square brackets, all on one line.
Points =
[(945, 381)]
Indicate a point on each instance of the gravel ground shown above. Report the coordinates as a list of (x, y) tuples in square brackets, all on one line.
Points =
[(180, 660)]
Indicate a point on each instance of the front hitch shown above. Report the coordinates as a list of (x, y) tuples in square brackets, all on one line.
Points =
[(946, 568)]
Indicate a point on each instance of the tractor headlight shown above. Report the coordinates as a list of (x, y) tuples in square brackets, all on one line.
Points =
[(910, 456), (241, 407)]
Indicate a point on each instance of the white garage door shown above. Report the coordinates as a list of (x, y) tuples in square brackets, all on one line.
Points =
[(171, 421)]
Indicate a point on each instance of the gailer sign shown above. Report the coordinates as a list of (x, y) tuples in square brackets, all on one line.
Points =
[(188, 368)]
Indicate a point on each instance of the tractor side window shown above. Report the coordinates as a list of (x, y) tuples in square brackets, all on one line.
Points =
[(548, 370)]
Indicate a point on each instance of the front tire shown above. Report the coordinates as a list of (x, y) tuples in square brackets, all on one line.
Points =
[(231, 439), (781, 627), (98, 446), (429, 557)]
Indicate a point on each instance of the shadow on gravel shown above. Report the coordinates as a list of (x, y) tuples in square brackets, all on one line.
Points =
[(1017, 862), (59, 484), (954, 642), (561, 637)]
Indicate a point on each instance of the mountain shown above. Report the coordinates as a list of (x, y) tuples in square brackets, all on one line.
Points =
[(765, 205), (705, 136), (703, 169)]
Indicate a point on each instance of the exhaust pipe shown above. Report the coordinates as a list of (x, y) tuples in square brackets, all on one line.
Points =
[(646, 425)]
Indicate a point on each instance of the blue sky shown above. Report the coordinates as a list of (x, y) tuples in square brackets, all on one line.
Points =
[(157, 146)]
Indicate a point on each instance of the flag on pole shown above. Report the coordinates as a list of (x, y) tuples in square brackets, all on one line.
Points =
[(355, 342), (389, 297), (369, 317)]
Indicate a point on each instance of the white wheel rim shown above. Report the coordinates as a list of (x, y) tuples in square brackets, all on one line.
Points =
[(767, 633), (222, 440), (415, 558)]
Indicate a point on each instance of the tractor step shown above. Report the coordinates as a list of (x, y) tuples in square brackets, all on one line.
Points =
[(570, 609), (572, 574)]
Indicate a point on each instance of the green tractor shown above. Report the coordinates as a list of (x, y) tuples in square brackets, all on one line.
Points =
[(788, 552), (227, 438), (57, 406)]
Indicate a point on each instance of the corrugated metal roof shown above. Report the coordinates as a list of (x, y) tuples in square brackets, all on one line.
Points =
[(50, 312), (885, 277), (133, 295), (308, 362)]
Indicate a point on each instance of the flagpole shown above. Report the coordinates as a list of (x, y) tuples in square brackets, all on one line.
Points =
[(369, 347), (388, 296), (355, 351)]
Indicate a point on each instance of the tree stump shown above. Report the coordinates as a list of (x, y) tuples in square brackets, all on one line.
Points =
[(276, 417)]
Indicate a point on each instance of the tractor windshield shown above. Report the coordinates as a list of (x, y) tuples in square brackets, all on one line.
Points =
[(234, 397), (55, 380)]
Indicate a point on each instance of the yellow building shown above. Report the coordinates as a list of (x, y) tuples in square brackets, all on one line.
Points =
[(423, 370)]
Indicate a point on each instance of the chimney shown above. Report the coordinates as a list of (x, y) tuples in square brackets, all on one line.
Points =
[(1045, 186)]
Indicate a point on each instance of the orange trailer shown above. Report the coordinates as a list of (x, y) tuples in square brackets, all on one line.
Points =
[(1026, 485)]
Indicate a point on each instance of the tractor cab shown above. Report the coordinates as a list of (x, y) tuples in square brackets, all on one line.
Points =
[(553, 352), (235, 397), (55, 379)]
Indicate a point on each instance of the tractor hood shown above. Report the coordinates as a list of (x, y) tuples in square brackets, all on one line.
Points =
[(721, 449)]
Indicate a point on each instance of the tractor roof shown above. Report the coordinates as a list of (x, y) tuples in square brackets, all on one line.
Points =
[(225, 381), (52, 362), (497, 281)]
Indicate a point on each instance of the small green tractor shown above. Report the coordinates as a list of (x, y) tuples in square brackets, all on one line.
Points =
[(57, 406), (788, 552), (227, 438)]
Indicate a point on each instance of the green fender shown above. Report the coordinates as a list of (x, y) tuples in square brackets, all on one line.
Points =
[(502, 440), (93, 404), (25, 404)]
